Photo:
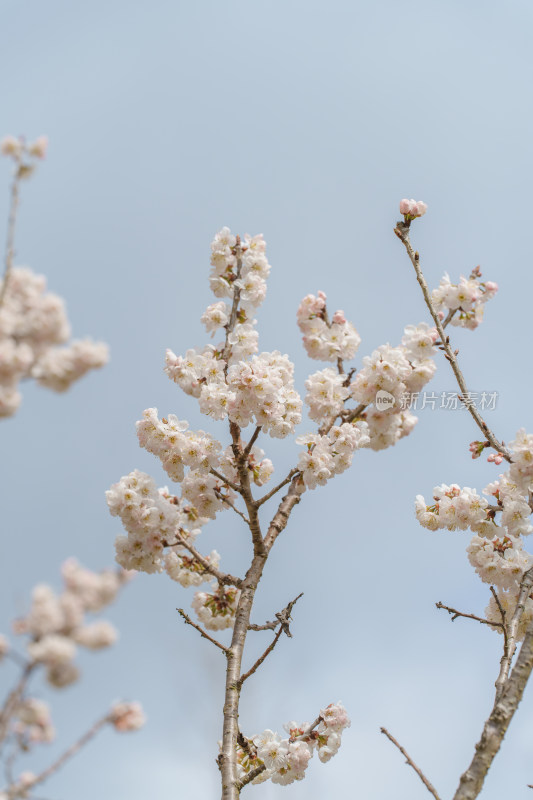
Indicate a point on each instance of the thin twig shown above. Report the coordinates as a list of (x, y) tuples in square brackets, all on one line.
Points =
[(402, 231), (276, 489), (11, 224), (456, 614), (222, 577), (201, 631), (429, 786), (13, 700), (284, 618), (252, 441), (225, 480), (231, 505), (504, 620), (71, 751), (235, 305)]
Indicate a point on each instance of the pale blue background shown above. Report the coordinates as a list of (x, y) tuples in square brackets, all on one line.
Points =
[(308, 122)]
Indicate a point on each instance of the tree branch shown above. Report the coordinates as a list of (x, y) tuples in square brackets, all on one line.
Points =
[(13, 700), (276, 489), (412, 764), (252, 441), (284, 617), (235, 305), (496, 725), (281, 517), (402, 232), (201, 631), (71, 751), (512, 630), (11, 224), (456, 614), (245, 490), (225, 480)]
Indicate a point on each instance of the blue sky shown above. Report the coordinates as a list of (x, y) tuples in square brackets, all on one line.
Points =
[(306, 122)]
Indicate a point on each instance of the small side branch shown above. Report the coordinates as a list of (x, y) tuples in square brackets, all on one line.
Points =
[(13, 700), (284, 618), (231, 505), (276, 489), (222, 577), (225, 480), (252, 441), (281, 517), (70, 752), (201, 631), (455, 614), (504, 620), (402, 232), (429, 786), (11, 224)]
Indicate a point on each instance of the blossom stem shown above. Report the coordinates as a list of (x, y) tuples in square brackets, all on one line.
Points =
[(455, 614), (11, 225), (70, 752), (13, 699), (429, 786), (402, 232)]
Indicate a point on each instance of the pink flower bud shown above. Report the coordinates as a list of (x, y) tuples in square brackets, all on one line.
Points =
[(39, 147), (412, 208), (10, 146), (339, 318), (496, 458), (127, 716)]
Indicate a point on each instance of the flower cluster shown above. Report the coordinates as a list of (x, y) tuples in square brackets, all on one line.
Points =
[(411, 209), (23, 152), (331, 454), (387, 376), (33, 323), (152, 519), (34, 328), (262, 389), (56, 623), (455, 508), (499, 561), (127, 717), (323, 339), (216, 610), (259, 468), (239, 266), (326, 394), (497, 549), (464, 300), (284, 760), (177, 447), (33, 723)]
